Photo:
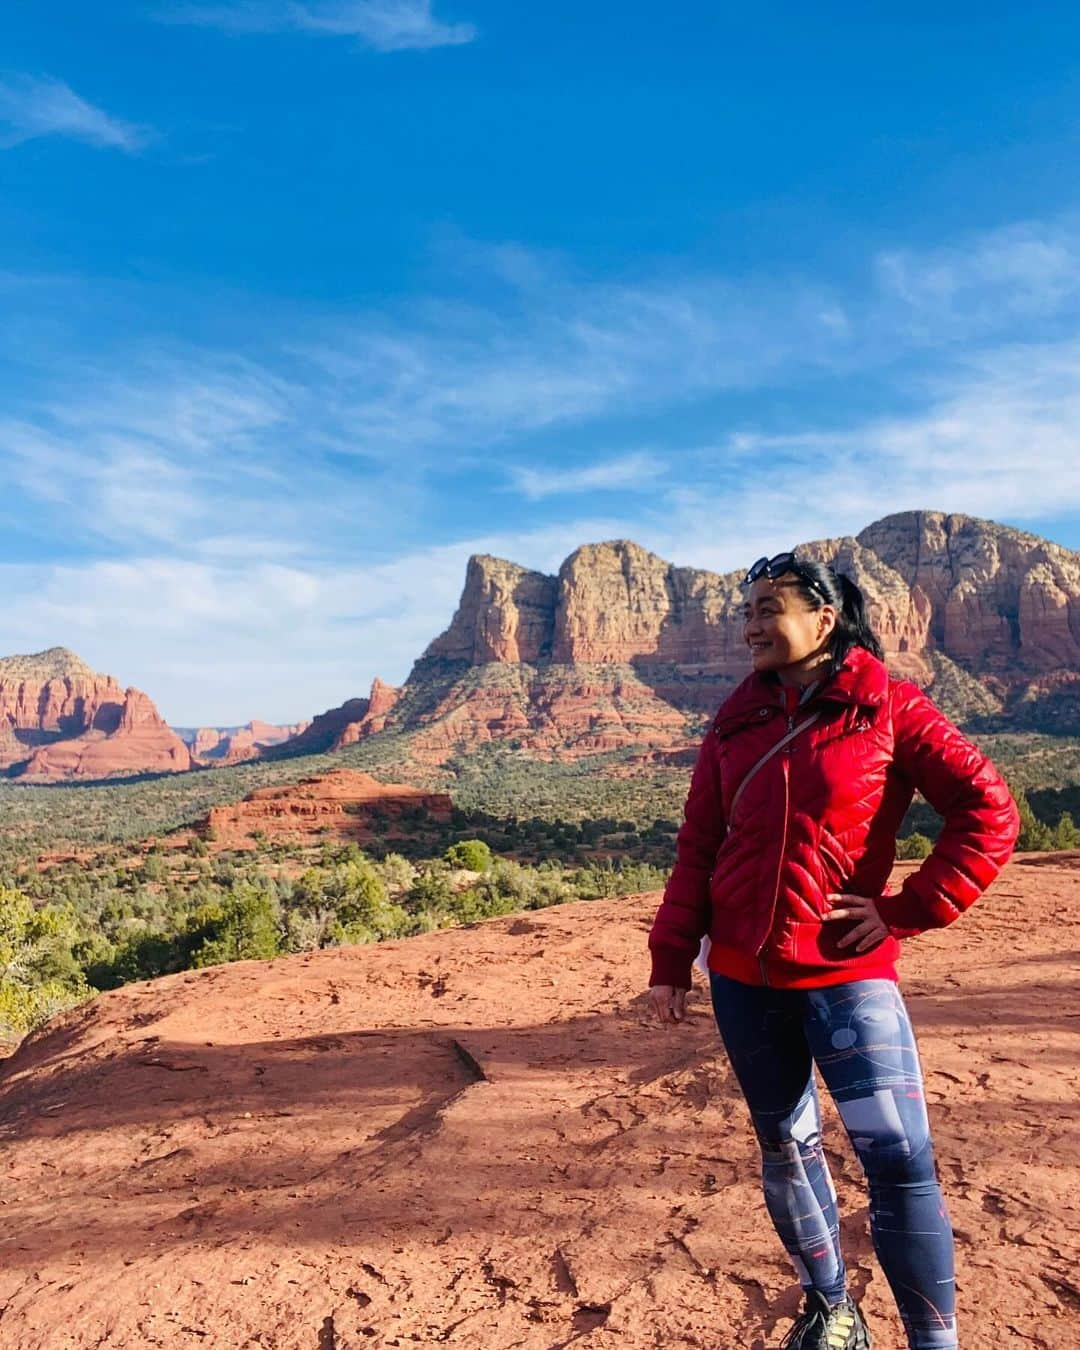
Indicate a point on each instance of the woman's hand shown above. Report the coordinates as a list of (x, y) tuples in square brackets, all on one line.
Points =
[(870, 928), (668, 1003)]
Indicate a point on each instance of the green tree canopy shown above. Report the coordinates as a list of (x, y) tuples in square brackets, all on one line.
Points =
[(471, 854)]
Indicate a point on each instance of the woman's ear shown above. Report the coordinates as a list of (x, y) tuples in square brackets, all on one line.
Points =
[(827, 619)]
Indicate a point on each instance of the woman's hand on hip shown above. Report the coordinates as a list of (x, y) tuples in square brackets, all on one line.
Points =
[(668, 1003), (870, 928)]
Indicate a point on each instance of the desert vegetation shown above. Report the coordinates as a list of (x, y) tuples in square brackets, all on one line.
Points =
[(102, 885), (96, 919), (497, 780)]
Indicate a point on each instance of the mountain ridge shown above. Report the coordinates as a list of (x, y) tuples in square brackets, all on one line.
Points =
[(621, 648)]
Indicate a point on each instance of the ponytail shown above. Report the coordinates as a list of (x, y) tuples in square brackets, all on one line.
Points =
[(852, 627)]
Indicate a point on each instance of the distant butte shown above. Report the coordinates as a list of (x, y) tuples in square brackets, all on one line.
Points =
[(210, 745), (60, 719)]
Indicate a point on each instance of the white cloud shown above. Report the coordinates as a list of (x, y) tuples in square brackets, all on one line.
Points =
[(987, 283), (220, 642), (385, 25), (31, 107), (263, 512), (637, 470), (170, 452), (998, 439), (469, 375)]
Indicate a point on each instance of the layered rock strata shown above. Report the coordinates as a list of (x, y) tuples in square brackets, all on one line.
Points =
[(621, 648), (343, 804), (60, 719)]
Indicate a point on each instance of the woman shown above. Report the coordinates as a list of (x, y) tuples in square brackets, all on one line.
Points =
[(782, 860)]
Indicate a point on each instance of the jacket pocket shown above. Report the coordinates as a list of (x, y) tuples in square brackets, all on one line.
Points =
[(818, 945), (837, 865)]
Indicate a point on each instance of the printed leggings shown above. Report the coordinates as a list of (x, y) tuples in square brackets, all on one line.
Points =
[(860, 1037)]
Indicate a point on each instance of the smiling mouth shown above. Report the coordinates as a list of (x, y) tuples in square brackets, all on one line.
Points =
[(759, 646)]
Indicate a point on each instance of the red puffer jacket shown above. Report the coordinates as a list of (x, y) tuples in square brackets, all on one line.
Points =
[(821, 816)]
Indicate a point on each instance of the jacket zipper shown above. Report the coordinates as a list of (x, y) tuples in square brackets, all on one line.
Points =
[(780, 867), (785, 760)]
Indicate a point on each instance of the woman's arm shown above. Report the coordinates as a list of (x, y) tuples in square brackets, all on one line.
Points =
[(981, 819), (683, 916)]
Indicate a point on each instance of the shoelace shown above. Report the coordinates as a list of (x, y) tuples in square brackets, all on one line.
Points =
[(808, 1321), (836, 1325)]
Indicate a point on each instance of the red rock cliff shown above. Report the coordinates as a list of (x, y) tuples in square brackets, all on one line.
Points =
[(506, 614), (987, 596), (624, 648), (61, 719)]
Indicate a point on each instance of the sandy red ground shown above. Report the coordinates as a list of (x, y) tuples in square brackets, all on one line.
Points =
[(479, 1138)]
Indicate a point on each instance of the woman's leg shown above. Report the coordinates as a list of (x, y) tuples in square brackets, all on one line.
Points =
[(762, 1031), (862, 1040)]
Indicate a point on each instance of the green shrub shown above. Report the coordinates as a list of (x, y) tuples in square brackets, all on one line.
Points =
[(153, 868), (364, 912), (607, 879), (914, 846), (38, 974), (479, 902), (430, 891), (144, 956), (471, 854), (397, 872), (1035, 837), (243, 927)]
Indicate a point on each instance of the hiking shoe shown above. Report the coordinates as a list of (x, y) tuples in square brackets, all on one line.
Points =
[(821, 1327)]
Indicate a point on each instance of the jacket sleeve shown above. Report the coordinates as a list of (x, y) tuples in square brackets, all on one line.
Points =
[(683, 917), (981, 818)]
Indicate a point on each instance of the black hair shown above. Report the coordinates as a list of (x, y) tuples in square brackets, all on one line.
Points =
[(852, 626)]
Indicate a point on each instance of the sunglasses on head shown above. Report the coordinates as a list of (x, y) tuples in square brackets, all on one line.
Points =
[(776, 567)]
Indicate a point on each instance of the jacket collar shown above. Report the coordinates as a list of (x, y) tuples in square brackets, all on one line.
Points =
[(861, 680)]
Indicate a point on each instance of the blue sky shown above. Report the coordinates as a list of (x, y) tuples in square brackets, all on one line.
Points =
[(304, 302)]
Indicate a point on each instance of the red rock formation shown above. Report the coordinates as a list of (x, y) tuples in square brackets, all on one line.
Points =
[(998, 600), (978, 591), (215, 745), (380, 702), (322, 731), (563, 712), (207, 740), (60, 719), (978, 612), (51, 696), (506, 614), (343, 804), (620, 603), (141, 743), (353, 721)]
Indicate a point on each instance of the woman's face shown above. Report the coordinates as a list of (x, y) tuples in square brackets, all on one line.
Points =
[(779, 626)]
